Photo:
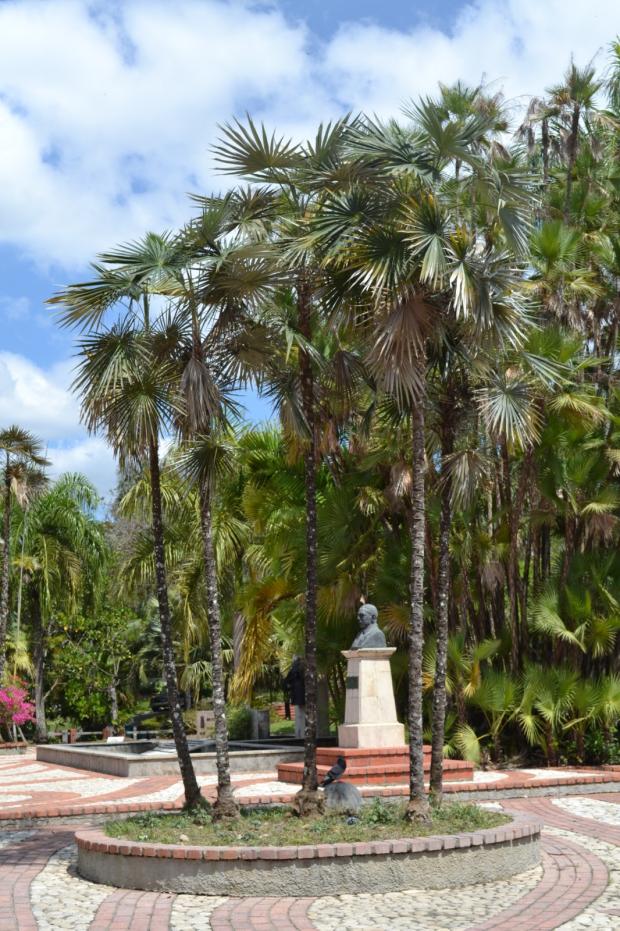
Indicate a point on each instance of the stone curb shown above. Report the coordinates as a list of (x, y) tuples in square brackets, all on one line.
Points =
[(523, 826)]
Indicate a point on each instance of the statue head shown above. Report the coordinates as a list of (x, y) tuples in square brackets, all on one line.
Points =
[(367, 615)]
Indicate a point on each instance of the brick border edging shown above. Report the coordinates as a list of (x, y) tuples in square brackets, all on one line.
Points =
[(522, 826), (312, 870)]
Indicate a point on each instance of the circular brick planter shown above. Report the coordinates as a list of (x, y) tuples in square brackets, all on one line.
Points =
[(325, 869)]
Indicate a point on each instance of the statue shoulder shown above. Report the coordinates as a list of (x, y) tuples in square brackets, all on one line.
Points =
[(369, 639), (376, 638)]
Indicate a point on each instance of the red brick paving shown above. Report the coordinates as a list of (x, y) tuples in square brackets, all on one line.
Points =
[(263, 914), (127, 910), (557, 817), (572, 879), (19, 865)]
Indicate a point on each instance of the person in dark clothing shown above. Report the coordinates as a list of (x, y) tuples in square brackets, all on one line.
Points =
[(295, 689)]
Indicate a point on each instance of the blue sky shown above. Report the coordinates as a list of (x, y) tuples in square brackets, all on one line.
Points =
[(108, 109), (325, 18)]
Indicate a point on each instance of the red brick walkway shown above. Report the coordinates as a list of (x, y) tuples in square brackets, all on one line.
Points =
[(126, 910), (266, 914), (572, 879), (19, 865), (557, 817)]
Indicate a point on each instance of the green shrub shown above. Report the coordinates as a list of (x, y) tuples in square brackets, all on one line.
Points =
[(239, 719), (380, 812), (601, 748)]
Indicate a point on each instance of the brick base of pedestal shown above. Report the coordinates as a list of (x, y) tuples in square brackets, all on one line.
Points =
[(375, 766)]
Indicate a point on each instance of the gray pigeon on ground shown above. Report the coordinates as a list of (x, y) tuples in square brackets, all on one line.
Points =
[(335, 772)]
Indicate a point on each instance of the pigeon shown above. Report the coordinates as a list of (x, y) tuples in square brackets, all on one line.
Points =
[(335, 772)]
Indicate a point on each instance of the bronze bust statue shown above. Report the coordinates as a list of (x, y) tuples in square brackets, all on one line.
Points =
[(370, 637)]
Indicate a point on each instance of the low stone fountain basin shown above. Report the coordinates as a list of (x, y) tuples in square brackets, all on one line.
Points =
[(433, 862)]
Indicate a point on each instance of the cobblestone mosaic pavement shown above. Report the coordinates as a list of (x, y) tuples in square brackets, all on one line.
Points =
[(32, 788), (576, 887)]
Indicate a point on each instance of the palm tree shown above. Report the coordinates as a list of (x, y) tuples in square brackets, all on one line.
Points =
[(545, 706), (131, 394), (405, 249), (21, 451), (250, 153), (211, 282), (219, 283), (570, 102)]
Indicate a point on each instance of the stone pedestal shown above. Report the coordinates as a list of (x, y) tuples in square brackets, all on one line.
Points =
[(371, 740), (370, 711)]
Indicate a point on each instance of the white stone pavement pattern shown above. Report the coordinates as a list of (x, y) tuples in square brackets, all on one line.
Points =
[(273, 787), (32, 771), (594, 808), (556, 773), (16, 777), (87, 785), (12, 778), (62, 899), (192, 912), (424, 910)]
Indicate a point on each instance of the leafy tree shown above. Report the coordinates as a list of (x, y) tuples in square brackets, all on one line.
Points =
[(64, 559)]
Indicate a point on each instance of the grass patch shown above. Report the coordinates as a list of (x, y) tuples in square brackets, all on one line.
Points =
[(274, 827), (280, 726)]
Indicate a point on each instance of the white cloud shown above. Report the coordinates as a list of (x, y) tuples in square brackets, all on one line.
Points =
[(37, 399), (90, 456), (40, 400), (107, 119), (108, 109), (522, 46)]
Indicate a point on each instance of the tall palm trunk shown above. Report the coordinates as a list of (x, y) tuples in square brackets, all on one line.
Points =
[(514, 506), (38, 651), (417, 808), (192, 789), (6, 556), (441, 617), (512, 556), (308, 799), (545, 149), (225, 806), (572, 157)]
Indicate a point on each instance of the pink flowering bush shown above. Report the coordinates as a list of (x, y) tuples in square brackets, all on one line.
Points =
[(14, 706)]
